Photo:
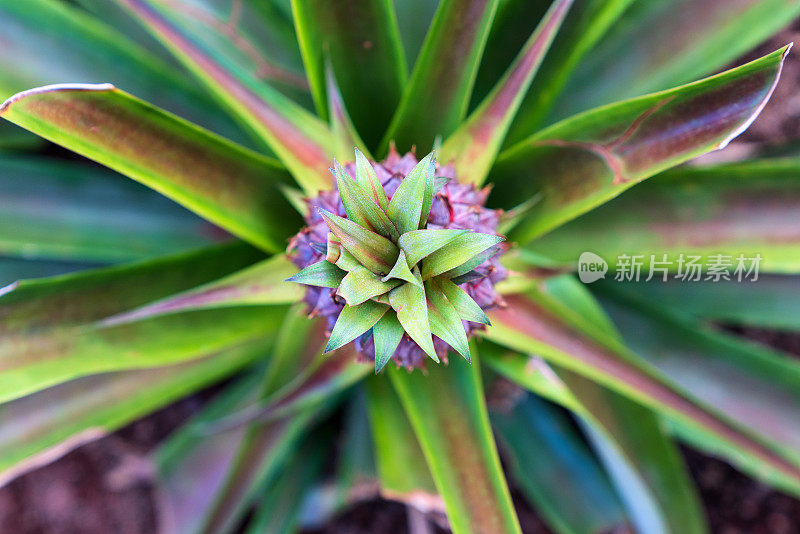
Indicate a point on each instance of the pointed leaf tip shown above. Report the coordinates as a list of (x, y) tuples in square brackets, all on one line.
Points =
[(466, 307), (458, 252), (361, 284), (407, 205), (372, 250), (367, 178), (409, 302), (445, 321), (322, 274), (418, 244), (387, 333), (360, 207), (400, 271), (354, 321)]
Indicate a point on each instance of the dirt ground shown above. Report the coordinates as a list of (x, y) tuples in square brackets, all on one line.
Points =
[(101, 487)]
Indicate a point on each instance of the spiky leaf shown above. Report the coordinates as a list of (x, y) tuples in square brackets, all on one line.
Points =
[(405, 208), (400, 271), (298, 138), (476, 142), (354, 321), (467, 308), (361, 284), (460, 250), (465, 272), (223, 182), (445, 321), (588, 159), (360, 208), (368, 180), (322, 274), (437, 95), (411, 306), (387, 334), (418, 244), (372, 250)]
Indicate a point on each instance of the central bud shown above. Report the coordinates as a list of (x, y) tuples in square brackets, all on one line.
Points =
[(400, 258)]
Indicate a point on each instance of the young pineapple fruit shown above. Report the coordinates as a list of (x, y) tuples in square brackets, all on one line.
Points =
[(400, 258)]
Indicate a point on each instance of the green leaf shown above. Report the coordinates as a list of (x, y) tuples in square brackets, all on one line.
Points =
[(356, 473), (400, 271), (79, 213), (222, 182), (362, 41), (459, 251), (418, 244), (326, 376), (280, 506), (414, 18), (772, 302), (387, 334), (766, 381), (403, 472), (368, 180), (645, 466), (430, 189), (52, 422), (322, 274), (341, 126), (466, 308), (717, 34), (208, 480), (448, 414), (586, 160), (448, 62), (259, 284), (474, 146), (457, 274), (33, 361), (260, 450), (255, 38), (300, 140), (268, 442), (361, 284), (445, 321), (405, 208), (189, 471), (745, 208), (345, 260), (50, 332), (13, 269), (354, 321), (540, 326), (52, 42), (551, 463), (372, 250), (409, 302), (360, 208), (29, 306), (586, 24)]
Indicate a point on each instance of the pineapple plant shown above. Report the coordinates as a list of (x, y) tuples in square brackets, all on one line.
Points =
[(350, 184)]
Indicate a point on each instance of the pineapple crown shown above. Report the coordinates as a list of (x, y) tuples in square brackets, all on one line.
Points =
[(395, 274)]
